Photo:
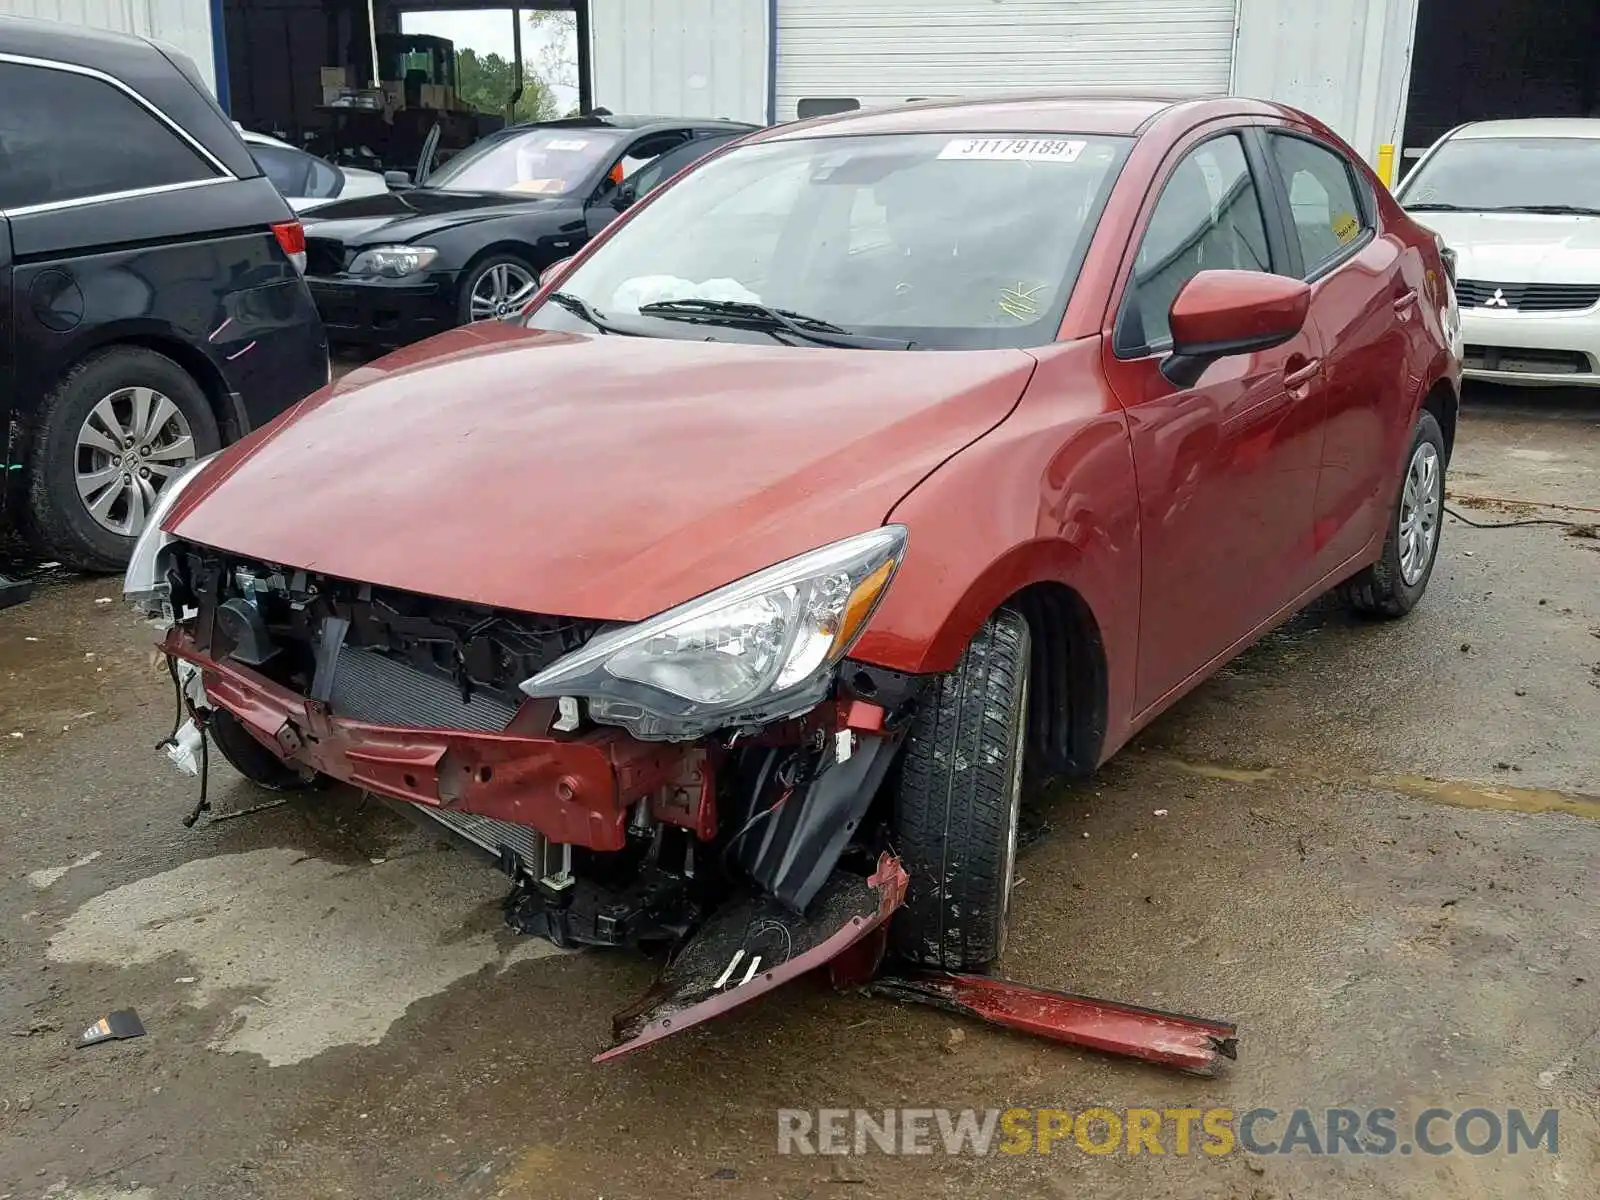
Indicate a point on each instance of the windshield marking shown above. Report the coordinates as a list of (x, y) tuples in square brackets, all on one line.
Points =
[(1015, 149)]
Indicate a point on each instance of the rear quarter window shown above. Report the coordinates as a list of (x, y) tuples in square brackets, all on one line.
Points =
[(68, 136)]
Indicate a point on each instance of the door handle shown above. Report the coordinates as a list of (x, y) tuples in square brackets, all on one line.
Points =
[(1405, 302), (1304, 375)]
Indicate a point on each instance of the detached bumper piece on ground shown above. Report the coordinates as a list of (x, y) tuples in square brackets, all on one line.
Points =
[(752, 946)]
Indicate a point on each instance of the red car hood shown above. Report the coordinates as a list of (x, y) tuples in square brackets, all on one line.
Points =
[(604, 477)]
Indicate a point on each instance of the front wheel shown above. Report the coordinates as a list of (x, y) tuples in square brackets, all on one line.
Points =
[(496, 288), (958, 804), (255, 762), (1392, 586)]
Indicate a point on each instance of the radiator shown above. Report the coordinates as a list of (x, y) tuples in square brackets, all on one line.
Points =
[(368, 686)]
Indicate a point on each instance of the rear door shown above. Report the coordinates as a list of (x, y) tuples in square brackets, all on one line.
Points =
[(1363, 309)]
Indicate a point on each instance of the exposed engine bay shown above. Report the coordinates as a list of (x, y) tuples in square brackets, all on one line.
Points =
[(608, 839)]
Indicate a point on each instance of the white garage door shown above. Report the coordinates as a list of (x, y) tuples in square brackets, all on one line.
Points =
[(890, 51)]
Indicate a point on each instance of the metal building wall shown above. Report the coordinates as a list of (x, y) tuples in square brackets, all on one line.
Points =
[(692, 58), (889, 51), (1347, 62), (185, 24)]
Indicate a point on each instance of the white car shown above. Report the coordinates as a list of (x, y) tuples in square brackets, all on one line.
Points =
[(1519, 204), (305, 180)]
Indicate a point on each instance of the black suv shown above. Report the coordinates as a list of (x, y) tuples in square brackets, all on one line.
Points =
[(151, 300)]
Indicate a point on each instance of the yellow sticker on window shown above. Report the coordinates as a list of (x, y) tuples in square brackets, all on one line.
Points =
[(1346, 228)]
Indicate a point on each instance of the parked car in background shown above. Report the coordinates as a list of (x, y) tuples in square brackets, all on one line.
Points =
[(870, 469), (1518, 203), (151, 303), (306, 181), (469, 243)]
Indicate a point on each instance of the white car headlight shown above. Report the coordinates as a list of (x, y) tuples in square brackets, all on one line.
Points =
[(757, 650), (145, 583), (393, 262)]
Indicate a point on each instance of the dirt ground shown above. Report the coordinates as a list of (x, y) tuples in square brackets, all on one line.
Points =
[(1373, 846)]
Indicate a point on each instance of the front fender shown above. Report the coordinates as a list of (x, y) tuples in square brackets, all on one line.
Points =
[(1048, 496)]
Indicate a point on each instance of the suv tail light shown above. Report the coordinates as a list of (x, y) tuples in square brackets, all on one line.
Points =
[(291, 236)]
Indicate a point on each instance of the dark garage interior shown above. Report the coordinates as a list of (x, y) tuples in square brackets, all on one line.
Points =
[(1479, 60)]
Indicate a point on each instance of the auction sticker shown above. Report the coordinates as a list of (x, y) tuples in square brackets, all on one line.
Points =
[(1017, 149), (566, 144)]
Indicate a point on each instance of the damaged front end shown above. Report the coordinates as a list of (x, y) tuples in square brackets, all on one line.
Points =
[(640, 784)]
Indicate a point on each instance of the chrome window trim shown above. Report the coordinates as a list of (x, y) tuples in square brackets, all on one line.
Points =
[(28, 210), (47, 64)]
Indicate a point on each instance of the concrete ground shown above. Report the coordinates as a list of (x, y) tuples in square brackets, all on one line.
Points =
[(1373, 846)]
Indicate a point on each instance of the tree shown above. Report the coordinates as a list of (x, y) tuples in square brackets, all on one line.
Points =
[(558, 56), (486, 82)]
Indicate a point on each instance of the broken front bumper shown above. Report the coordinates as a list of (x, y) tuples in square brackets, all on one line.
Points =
[(576, 790)]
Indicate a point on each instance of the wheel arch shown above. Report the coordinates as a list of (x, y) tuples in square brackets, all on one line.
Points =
[(514, 247), (1068, 697), (1441, 400), (1062, 598), (194, 362)]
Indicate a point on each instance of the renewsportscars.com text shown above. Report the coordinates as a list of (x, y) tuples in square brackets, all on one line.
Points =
[(1176, 1131)]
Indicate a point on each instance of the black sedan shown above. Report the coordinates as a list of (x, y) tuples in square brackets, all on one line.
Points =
[(469, 243)]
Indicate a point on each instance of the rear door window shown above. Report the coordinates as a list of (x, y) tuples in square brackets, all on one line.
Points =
[(68, 136), (1328, 214)]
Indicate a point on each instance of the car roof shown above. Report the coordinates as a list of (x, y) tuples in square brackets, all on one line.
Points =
[(613, 121), (1104, 111), (160, 74), (1536, 127)]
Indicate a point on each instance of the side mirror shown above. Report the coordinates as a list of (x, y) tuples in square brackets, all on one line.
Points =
[(397, 179), (1218, 314)]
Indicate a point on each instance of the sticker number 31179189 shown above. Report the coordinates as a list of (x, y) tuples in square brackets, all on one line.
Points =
[(1017, 149)]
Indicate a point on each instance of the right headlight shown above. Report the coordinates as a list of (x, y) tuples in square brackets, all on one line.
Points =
[(145, 583), (760, 649), (392, 262)]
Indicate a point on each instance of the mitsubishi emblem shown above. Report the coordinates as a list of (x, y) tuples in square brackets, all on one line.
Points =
[(1498, 300)]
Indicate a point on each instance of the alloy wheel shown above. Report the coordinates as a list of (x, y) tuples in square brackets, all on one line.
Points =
[(1420, 506), (128, 447), (501, 291)]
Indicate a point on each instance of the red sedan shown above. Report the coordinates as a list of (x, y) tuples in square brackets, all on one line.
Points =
[(870, 473)]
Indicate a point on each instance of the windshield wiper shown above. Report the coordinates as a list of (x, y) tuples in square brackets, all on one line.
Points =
[(1576, 210), (583, 310), (1560, 210), (740, 314)]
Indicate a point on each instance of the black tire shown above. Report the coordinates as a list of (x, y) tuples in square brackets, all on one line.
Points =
[(957, 807), (55, 517), (254, 761), (1381, 590), (471, 277)]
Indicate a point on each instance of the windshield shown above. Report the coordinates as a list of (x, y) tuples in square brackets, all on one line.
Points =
[(540, 162), (1483, 174), (947, 242)]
